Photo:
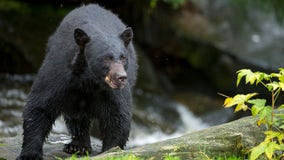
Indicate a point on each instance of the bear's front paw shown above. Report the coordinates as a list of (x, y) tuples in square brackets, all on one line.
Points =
[(73, 148), (30, 156)]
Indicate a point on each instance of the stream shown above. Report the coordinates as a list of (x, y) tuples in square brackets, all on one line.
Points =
[(155, 117)]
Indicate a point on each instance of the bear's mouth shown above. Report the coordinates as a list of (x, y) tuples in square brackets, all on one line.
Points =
[(116, 77), (115, 82)]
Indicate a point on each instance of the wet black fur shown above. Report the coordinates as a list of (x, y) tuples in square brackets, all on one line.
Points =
[(71, 83)]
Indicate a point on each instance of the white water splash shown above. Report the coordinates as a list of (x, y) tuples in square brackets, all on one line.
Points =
[(140, 136), (12, 97)]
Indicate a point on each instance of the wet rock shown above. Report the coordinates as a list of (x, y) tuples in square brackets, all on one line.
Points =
[(10, 147), (254, 34), (232, 138)]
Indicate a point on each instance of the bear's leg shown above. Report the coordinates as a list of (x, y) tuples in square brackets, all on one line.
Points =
[(115, 127), (79, 130), (37, 125)]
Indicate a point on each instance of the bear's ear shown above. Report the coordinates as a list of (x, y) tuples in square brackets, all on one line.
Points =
[(81, 37), (127, 36)]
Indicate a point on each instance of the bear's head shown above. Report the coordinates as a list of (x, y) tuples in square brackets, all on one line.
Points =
[(106, 56)]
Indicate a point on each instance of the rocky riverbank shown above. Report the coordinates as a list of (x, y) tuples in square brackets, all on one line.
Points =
[(234, 138)]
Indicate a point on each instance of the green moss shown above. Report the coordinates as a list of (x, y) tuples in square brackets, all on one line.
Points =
[(120, 157), (125, 157), (229, 158)]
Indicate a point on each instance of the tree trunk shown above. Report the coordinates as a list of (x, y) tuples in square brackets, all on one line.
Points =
[(234, 138)]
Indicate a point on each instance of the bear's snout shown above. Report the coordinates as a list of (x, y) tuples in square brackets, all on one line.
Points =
[(117, 76), (122, 77)]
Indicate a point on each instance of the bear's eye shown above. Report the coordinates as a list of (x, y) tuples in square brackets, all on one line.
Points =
[(108, 58), (123, 59)]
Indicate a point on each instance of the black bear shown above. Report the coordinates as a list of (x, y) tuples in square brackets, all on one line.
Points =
[(88, 73)]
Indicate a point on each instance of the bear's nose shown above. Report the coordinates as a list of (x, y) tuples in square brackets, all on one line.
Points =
[(122, 78)]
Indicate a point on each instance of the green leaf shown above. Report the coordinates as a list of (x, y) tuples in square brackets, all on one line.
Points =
[(257, 102), (265, 113), (258, 105), (273, 86), (250, 95), (280, 107), (251, 78), (281, 127), (241, 73), (262, 76), (258, 150), (270, 135), (281, 85), (254, 110), (281, 78), (281, 147), (277, 75), (281, 71), (280, 138), (278, 121), (270, 149)]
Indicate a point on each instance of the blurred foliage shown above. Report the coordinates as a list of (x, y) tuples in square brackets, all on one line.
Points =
[(276, 6), (12, 5), (175, 4), (24, 29)]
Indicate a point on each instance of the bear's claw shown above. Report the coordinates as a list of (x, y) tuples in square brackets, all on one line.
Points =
[(76, 149)]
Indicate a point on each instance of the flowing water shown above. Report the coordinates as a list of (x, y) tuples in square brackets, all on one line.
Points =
[(151, 122)]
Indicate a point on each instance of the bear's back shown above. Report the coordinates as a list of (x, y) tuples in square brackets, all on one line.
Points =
[(96, 16)]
